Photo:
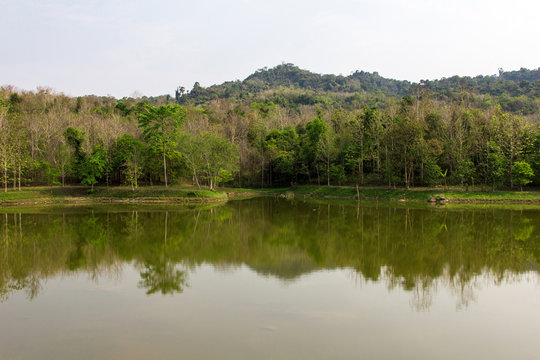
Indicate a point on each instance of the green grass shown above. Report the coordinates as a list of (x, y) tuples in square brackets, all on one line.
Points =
[(419, 194), (48, 194), (254, 190), (71, 194), (33, 193), (155, 192)]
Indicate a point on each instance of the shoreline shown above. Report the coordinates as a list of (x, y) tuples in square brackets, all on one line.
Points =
[(189, 196)]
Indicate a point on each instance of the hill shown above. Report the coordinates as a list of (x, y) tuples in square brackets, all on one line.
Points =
[(290, 86)]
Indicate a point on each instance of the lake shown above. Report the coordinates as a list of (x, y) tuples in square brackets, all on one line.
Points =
[(270, 278)]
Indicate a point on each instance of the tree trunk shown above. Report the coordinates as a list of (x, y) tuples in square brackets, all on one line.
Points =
[(262, 168), (405, 163), (196, 178), (5, 176), (362, 170), (387, 171), (262, 174), (378, 160), (362, 155), (164, 166), (328, 170)]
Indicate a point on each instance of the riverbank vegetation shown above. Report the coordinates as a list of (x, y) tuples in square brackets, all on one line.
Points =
[(191, 194), (281, 127)]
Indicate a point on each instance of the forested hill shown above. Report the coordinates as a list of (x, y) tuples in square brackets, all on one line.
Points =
[(290, 86), (292, 77)]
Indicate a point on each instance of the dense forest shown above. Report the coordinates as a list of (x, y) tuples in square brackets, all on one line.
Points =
[(281, 127)]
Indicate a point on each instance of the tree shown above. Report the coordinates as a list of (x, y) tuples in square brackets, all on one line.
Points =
[(314, 138), (5, 144), (496, 165), (128, 159), (220, 157), (465, 172), (75, 138), (63, 161), (93, 167), (191, 149), (281, 146), (510, 131), (433, 173), (160, 128), (405, 135), (523, 173), (210, 157), (365, 145)]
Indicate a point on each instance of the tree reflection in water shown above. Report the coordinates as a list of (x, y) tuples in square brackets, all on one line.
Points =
[(162, 277), (416, 249)]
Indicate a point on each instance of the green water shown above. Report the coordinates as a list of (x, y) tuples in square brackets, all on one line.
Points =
[(270, 279)]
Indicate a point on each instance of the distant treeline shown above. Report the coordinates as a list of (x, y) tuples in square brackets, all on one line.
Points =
[(280, 127), (515, 91)]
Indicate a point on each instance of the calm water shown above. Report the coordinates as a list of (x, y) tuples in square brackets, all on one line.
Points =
[(270, 279)]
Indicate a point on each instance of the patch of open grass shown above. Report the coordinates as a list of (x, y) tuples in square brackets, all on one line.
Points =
[(420, 194), (255, 190), (155, 192), (47, 194)]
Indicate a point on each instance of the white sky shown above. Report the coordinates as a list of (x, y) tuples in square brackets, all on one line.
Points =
[(117, 46)]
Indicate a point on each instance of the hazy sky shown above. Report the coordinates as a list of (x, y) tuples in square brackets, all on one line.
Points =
[(117, 46)]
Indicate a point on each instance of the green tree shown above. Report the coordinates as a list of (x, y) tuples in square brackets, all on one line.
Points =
[(465, 172), (314, 138), (75, 138), (128, 159), (432, 173), (281, 147), (160, 128), (510, 131), (93, 167), (405, 136), (220, 158), (6, 150), (365, 133), (523, 173), (63, 158), (496, 165), (210, 157)]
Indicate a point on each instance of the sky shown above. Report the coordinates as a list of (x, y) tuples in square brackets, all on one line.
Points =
[(122, 48)]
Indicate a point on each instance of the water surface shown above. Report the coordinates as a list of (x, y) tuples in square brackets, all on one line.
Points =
[(269, 278)]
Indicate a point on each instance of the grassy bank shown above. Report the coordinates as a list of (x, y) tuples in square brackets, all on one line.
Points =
[(81, 194), (178, 194), (453, 195)]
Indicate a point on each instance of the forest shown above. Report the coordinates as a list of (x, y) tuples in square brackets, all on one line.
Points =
[(281, 127)]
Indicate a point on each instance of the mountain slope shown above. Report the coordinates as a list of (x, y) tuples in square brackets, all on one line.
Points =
[(517, 91)]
